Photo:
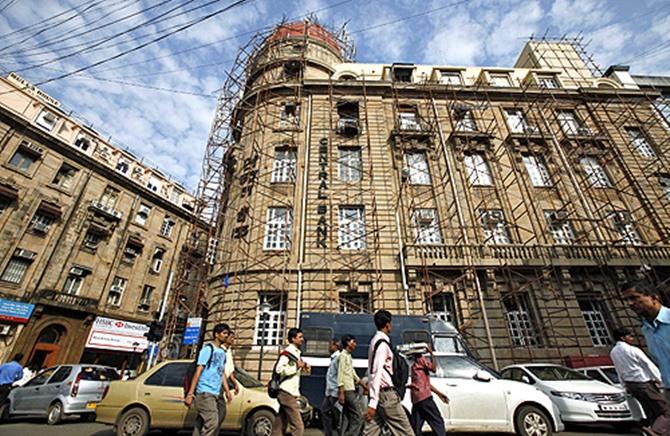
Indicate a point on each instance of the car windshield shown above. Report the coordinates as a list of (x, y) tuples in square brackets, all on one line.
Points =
[(611, 374), (448, 344), (459, 367), (556, 373), (246, 379)]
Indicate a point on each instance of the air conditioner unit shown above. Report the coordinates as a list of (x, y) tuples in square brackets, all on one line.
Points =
[(40, 227), (5, 329), (25, 254), (76, 271)]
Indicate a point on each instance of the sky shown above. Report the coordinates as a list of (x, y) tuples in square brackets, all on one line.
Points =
[(158, 101)]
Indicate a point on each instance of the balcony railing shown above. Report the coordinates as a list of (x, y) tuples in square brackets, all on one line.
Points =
[(58, 298)]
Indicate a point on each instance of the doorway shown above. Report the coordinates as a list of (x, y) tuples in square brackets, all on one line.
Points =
[(48, 346)]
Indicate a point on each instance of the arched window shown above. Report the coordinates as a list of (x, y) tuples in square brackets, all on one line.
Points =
[(51, 334), (157, 260)]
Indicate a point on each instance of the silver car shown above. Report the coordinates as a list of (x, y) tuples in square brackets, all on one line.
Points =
[(60, 391)]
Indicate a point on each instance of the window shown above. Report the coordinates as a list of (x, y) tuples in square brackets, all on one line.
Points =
[(477, 170), (41, 377), (594, 317), (41, 222), (157, 261), (408, 120), (351, 228), (417, 167), (109, 197), (426, 226), (317, 341), (537, 171), (122, 166), (92, 240), (145, 298), (350, 164), (167, 227), (521, 322), (283, 168), (495, 227), (559, 227), (65, 176), (464, 120), (170, 375), (73, 284), (444, 307), (133, 249), (664, 181), (348, 117), (142, 214), (83, 142), (60, 375), (289, 116), (15, 269), (596, 175), (4, 204), (278, 229), (116, 291), (640, 142), (23, 159), (624, 226), (154, 184), (175, 196), (569, 122), (270, 326), (212, 250), (355, 302), (450, 78), (402, 74), (46, 120), (548, 82), (499, 80), (516, 120)]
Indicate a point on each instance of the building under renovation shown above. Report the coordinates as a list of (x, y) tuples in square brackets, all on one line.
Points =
[(511, 201)]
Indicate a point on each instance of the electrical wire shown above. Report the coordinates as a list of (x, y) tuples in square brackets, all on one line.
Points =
[(33, 26)]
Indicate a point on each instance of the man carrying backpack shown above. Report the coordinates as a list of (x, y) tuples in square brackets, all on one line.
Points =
[(205, 386), (384, 405)]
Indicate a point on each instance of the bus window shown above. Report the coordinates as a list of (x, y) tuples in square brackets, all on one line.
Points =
[(409, 336), (317, 341)]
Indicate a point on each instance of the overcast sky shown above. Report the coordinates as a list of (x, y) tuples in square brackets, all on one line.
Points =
[(163, 109)]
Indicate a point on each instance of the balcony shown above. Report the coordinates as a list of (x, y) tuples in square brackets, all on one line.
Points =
[(537, 255), (106, 210), (348, 126), (57, 298)]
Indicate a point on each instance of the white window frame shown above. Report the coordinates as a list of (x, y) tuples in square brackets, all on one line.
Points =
[(500, 80), (350, 164), (443, 306), (561, 231), (167, 227), (595, 173), (426, 226), (547, 81), (465, 121), (521, 324), (284, 166), (495, 227), (142, 215), (278, 228), (275, 319), (145, 297), (15, 270), (624, 226), (116, 291), (596, 324), (351, 228), (639, 141), (157, 261), (537, 171), (569, 122), (477, 169), (452, 78), (416, 164), (409, 121), (73, 284)]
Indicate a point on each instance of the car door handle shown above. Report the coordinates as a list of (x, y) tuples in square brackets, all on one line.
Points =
[(147, 394)]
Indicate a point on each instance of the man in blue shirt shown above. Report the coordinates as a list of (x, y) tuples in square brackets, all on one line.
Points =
[(645, 301), (205, 390), (9, 373), (328, 411)]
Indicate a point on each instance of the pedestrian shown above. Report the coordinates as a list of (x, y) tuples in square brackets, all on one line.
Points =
[(329, 413), (424, 408), (289, 419), (642, 379), (206, 384), (229, 369), (645, 301), (347, 379), (384, 405), (9, 373)]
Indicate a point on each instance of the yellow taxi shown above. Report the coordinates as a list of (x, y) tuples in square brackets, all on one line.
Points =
[(155, 400)]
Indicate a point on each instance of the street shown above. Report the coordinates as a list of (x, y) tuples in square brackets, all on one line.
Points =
[(37, 427)]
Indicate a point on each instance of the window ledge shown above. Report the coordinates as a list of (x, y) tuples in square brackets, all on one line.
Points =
[(59, 188), (28, 174)]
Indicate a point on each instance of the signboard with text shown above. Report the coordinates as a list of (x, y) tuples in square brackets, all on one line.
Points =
[(15, 311), (192, 331), (115, 334)]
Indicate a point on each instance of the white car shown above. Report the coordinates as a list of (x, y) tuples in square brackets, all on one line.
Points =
[(579, 398), (481, 402), (605, 374)]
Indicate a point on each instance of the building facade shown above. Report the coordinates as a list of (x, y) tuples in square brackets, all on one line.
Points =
[(89, 239), (513, 202)]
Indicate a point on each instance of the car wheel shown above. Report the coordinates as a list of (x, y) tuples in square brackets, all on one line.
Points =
[(55, 413), (133, 422), (531, 421), (260, 423)]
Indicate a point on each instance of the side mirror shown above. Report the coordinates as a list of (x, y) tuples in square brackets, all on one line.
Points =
[(482, 375), (527, 380)]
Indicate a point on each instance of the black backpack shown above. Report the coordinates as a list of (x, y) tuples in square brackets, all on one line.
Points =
[(276, 379), (188, 377), (400, 368)]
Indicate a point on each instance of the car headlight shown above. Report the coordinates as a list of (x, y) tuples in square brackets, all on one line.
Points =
[(569, 395)]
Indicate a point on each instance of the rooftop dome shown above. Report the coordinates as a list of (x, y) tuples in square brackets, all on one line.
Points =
[(302, 28)]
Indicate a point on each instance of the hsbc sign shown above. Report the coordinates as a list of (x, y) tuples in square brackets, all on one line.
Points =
[(116, 334)]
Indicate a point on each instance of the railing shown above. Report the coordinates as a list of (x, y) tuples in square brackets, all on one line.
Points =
[(62, 299)]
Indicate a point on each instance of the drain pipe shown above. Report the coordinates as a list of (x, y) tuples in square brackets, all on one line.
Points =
[(403, 274), (303, 212)]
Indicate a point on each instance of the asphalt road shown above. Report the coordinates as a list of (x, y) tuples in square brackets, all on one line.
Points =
[(37, 427)]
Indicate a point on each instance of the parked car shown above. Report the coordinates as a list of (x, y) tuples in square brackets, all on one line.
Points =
[(605, 374), (155, 400), (60, 391), (579, 398), (481, 402)]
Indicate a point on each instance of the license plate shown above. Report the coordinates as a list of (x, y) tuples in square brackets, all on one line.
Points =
[(91, 405), (613, 408)]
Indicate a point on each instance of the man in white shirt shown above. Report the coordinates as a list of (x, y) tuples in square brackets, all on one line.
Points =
[(642, 379), (229, 368)]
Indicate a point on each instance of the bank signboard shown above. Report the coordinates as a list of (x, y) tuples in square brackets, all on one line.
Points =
[(115, 334), (15, 311)]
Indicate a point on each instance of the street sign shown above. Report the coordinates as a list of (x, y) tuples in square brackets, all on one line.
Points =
[(192, 331), (15, 311)]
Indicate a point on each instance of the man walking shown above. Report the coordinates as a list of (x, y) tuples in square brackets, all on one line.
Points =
[(642, 379), (347, 379), (329, 412), (229, 368), (646, 302), (289, 420), (205, 388), (9, 373), (384, 405), (424, 408)]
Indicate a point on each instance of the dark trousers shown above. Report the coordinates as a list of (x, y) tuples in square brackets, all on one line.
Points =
[(4, 392), (211, 413), (654, 404), (330, 416), (354, 414), (427, 411)]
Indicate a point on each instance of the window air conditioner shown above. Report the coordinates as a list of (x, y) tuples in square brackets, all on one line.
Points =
[(76, 271), (116, 289), (40, 227), (25, 254), (5, 329)]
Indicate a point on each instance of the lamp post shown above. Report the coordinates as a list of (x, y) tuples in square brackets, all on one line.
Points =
[(265, 308)]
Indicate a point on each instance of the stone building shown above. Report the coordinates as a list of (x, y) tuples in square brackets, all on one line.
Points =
[(512, 201), (89, 236)]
